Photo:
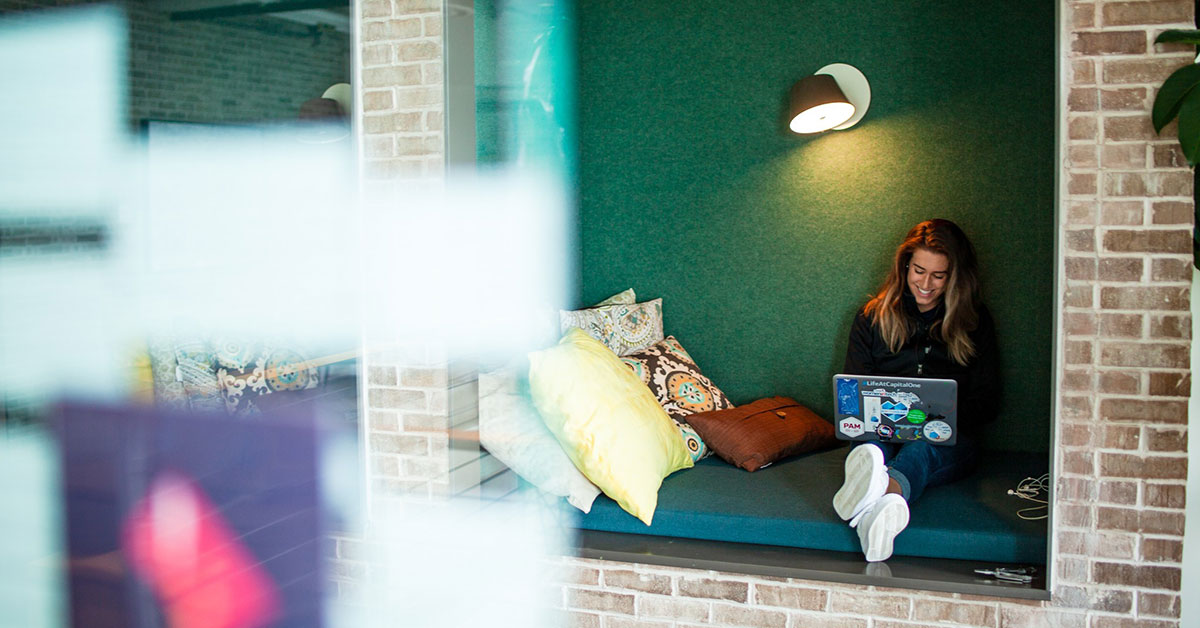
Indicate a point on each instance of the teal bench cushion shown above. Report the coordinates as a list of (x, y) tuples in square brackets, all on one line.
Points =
[(790, 504)]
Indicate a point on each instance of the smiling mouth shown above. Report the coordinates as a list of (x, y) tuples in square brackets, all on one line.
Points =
[(924, 293)]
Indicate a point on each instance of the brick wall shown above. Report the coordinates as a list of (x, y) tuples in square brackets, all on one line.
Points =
[(606, 594), (401, 89), (246, 69), (406, 420), (1124, 230)]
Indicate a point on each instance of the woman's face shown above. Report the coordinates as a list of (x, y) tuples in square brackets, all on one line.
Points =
[(927, 276)]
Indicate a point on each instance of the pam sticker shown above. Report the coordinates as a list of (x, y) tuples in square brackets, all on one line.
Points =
[(851, 427)]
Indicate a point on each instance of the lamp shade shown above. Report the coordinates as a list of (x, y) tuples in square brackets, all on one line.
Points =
[(817, 104)]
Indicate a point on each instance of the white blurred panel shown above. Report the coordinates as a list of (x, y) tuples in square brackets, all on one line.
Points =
[(61, 332), (464, 563), (63, 120), (249, 233), (61, 163), (32, 589), (479, 265)]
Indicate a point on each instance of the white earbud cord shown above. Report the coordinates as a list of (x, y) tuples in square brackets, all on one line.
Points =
[(1033, 490)]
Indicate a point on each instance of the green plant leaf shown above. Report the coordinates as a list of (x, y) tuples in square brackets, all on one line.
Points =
[(1170, 96), (1189, 126), (1177, 36)]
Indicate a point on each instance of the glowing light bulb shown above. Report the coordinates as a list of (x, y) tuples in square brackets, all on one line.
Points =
[(822, 117)]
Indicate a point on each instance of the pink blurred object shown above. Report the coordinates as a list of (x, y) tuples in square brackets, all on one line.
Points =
[(181, 546)]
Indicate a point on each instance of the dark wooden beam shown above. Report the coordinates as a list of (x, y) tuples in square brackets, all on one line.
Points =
[(257, 8)]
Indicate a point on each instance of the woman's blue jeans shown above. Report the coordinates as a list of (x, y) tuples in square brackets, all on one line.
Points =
[(918, 465)]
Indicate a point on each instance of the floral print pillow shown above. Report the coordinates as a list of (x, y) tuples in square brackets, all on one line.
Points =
[(679, 386), (622, 327)]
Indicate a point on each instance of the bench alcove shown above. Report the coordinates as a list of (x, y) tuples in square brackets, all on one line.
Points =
[(779, 521)]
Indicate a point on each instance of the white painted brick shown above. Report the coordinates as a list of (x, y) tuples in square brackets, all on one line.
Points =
[(662, 607)]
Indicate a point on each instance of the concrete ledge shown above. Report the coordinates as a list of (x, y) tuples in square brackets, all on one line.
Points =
[(927, 574)]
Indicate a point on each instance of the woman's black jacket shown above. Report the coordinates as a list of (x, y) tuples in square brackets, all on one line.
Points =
[(923, 355)]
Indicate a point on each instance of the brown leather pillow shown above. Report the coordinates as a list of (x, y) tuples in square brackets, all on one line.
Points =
[(756, 434)]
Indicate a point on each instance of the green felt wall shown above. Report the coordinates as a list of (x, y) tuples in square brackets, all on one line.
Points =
[(488, 149), (762, 243)]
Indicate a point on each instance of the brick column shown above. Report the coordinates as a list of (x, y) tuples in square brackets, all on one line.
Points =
[(401, 103), (1125, 341), (405, 398), (400, 88)]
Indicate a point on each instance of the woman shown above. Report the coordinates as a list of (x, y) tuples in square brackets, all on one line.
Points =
[(926, 321)]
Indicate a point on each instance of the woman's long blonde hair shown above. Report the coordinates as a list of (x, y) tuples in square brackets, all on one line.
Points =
[(886, 309)]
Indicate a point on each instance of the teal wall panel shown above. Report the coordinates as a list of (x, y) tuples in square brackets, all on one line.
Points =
[(762, 243), (488, 149)]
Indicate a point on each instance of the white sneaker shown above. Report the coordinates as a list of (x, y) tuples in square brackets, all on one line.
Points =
[(866, 481), (886, 518)]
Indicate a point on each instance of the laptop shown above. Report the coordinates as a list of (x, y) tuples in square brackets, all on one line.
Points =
[(895, 409)]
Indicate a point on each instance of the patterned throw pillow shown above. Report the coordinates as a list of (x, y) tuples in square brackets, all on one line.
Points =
[(195, 371), (624, 297), (679, 386), (168, 387), (622, 327), (246, 372)]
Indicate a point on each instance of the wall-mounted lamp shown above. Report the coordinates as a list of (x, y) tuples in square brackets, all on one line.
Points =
[(835, 97)]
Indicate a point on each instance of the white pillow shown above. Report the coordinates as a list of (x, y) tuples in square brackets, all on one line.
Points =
[(511, 429)]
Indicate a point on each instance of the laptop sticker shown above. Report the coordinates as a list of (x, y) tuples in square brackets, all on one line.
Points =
[(851, 427), (895, 410), (873, 411), (937, 431), (847, 394)]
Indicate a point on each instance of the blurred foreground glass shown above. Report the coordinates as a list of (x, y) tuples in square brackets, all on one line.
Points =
[(262, 235)]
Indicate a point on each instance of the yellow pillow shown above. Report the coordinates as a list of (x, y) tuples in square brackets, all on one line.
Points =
[(141, 375), (607, 421)]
